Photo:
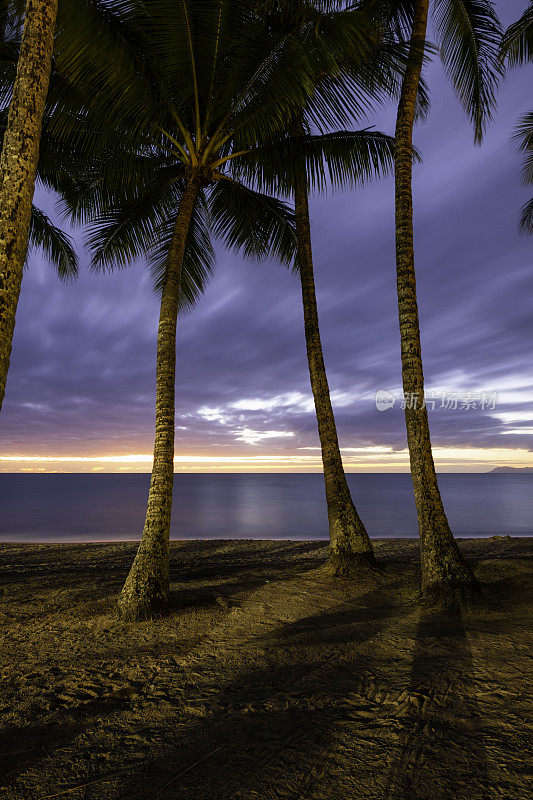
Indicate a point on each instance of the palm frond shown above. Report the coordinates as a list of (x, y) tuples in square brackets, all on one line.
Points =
[(252, 223), (396, 16), (470, 34), (92, 193), (526, 218), (100, 50), (56, 245), (523, 141), (143, 228), (339, 159), (517, 42), (129, 230)]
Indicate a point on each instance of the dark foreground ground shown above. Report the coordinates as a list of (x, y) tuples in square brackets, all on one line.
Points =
[(270, 679)]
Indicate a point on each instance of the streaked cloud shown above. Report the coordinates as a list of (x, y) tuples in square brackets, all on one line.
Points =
[(254, 437)]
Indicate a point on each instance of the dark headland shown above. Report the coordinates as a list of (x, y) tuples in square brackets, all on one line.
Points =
[(513, 470)]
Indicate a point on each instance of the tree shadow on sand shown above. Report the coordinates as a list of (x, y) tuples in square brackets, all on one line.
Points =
[(441, 753), (271, 729), (309, 710)]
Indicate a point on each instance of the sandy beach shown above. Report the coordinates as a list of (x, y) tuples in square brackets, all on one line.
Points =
[(269, 679)]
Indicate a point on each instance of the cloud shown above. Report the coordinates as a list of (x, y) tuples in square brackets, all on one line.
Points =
[(290, 402), (254, 437)]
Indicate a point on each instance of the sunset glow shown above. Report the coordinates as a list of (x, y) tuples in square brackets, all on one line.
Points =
[(356, 459)]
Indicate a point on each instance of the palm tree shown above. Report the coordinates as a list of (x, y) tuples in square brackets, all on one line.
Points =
[(218, 85), (18, 163), (367, 66), (350, 545), (469, 35), (351, 548), (171, 225), (517, 48)]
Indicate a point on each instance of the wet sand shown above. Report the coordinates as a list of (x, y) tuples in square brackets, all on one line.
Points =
[(269, 679)]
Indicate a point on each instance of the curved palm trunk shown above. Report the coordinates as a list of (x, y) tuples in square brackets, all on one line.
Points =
[(446, 578), (146, 591), (18, 164), (351, 548)]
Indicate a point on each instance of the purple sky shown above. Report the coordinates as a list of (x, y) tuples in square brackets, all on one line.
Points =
[(82, 370)]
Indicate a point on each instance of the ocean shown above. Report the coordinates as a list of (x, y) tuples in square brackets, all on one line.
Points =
[(110, 507)]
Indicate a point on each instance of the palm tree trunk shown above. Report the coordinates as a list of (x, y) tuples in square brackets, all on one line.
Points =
[(18, 163), (350, 546), (146, 591), (446, 578)]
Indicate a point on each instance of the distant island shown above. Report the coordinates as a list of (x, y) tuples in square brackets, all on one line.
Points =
[(512, 469)]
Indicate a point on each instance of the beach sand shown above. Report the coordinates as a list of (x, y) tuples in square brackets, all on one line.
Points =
[(269, 679)]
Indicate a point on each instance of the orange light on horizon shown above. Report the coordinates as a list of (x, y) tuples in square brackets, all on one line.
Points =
[(356, 459)]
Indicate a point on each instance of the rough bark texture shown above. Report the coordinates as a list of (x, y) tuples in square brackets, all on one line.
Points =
[(446, 578), (18, 164), (146, 591), (351, 549)]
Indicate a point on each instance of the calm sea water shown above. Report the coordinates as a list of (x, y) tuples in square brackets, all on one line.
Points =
[(73, 508)]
